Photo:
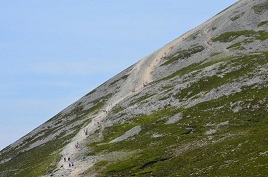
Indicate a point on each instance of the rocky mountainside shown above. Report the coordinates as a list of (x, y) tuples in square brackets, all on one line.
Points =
[(196, 107)]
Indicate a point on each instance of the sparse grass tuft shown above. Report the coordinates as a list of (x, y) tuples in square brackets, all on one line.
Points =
[(260, 8), (263, 23), (214, 54), (184, 54), (232, 35), (237, 16)]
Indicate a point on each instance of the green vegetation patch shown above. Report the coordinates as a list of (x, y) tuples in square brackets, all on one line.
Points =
[(195, 35), (115, 131), (260, 8), (142, 98), (214, 28), (197, 67), (263, 23), (184, 54), (122, 78), (232, 35), (214, 54), (237, 16), (180, 152), (263, 35), (42, 160), (97, 167), (139, 165), (183, 148), (98, 104), (90, 93), (35, 162), (147, 123), (236, 46), (249, 63), (117, 109)]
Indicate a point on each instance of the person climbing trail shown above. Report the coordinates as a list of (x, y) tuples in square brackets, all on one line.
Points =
[(86, 131)]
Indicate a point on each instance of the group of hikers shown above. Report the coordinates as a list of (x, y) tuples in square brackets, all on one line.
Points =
[(77, 145), (71, 164), (104, 110)]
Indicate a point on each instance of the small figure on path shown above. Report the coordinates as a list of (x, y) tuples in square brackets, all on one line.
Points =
[(77, 145), (86, 131)]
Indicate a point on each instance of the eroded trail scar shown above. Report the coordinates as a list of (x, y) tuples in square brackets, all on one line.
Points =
[(73, 162)]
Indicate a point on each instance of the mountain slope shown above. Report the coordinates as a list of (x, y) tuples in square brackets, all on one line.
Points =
[(197, 106)]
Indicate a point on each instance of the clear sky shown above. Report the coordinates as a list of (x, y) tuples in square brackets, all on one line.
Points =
[(52, 52)]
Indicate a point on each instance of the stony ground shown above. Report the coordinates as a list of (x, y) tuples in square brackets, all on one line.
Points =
[(201, 92)]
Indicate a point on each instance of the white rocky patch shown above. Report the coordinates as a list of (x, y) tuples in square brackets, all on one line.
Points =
[(134, 131), (210, 132), (155, 135), (174, 119)]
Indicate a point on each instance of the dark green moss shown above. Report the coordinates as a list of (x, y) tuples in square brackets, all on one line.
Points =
[(262, 23), (230, 36), (122, 78), (90, 93), (214, 54), (184, 54), (196, 67), (237, 16), (97, 167), (117, 109), (260, 8), (141, 99), (263, 35)]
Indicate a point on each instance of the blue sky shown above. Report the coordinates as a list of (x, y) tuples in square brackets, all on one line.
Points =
[(54, 52)]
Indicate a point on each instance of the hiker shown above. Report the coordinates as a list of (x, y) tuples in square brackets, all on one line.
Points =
[(77, 145), (145, 84), (70, 165), (64, 159), (86, 131)]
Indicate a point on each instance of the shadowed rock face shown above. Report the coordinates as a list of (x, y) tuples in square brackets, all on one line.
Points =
[(195, 107)]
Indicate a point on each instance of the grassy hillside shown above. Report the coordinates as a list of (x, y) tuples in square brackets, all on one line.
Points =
[(196, 107), (226, 136)]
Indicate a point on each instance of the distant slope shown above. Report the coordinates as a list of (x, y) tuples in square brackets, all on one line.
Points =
[(195, 107)]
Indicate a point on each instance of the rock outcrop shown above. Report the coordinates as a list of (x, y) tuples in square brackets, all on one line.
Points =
[(195, 107)]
